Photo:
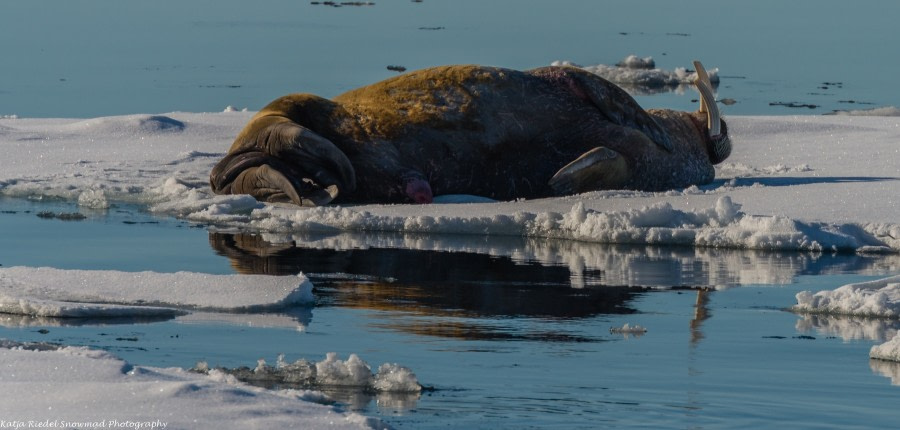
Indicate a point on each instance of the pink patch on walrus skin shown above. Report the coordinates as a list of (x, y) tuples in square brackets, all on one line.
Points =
[(419, 191)]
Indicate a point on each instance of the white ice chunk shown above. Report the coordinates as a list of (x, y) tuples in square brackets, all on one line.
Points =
[(392, 377), (879, 298), (47, 291), (354, 372), (628, 329), (637, 71), (93, 199), (889, 350)]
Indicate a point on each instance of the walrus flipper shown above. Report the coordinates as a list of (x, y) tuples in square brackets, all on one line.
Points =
[(315, 155), (598, 169), (279, 160), (614, 103), (267, 179)]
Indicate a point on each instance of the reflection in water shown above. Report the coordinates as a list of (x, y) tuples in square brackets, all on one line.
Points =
[(888, 369), (457, 294), (849, 327), (13, 320), (297, 318), (576, 264), (701, 313), (462, 286)]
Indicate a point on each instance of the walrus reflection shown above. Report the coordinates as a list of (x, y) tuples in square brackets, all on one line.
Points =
[(701, 314), (429, 282)]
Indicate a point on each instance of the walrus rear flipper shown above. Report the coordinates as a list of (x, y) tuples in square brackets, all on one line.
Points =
[(598, 169)]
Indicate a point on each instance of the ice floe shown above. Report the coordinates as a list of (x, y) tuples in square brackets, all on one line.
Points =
[(636, 73), (49, 292), (879, 298)]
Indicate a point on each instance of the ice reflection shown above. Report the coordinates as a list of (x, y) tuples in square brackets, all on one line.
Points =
[(849, 327), (464, 287), (14, 320), (533, 260), (294, 318), (888, 369)]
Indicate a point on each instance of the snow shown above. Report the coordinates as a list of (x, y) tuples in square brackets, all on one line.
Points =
[(879, 298), (77, 387), (49, 292)]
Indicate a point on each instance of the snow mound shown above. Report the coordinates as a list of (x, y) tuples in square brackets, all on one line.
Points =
[(641, 72), (879, 298), (128, 125), (48, 292)]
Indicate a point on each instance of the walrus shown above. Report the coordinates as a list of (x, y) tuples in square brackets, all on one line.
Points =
[(467, 129)]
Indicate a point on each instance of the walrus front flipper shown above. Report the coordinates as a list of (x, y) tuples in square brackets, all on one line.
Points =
[(598, 169), (267, 179), (296, 145), (269, 185)]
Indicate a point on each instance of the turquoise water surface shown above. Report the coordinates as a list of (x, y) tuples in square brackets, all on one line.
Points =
[(505, 341)]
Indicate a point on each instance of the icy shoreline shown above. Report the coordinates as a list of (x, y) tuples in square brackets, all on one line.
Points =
[(803, 183)]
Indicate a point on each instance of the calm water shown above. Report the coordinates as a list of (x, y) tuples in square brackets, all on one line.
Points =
[(95, 58), (510, 332)]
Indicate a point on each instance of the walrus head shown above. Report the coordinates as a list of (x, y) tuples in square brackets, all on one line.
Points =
[(275, 159), (719, 145)]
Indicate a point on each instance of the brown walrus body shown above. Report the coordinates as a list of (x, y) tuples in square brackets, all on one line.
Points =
[(486, 131)]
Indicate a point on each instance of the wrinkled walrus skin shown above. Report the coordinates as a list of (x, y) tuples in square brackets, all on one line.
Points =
[(486, 131)]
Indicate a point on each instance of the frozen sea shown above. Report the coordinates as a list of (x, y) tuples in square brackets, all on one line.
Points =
[(510, 314)]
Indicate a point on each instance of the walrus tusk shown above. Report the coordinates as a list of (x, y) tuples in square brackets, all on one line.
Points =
[(704, 77), (707, 100)]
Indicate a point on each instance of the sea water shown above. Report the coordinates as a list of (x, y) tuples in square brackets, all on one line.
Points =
[(499, 341), (100, 58)]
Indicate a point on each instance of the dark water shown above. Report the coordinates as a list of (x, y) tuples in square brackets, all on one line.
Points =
[(510, 332)]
